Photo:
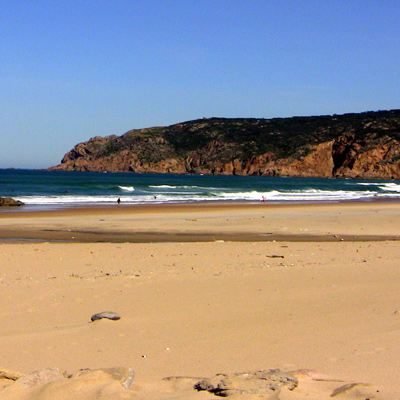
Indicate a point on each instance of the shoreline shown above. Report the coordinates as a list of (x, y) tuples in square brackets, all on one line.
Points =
[(28, 209), (175, 223)]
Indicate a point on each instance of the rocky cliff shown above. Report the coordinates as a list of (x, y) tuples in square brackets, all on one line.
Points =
[(351, 145)]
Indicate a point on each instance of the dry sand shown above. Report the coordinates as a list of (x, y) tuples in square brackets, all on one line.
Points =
[(215, 289)]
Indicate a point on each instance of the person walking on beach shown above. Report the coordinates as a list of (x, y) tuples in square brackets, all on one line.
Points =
[(119, 201)]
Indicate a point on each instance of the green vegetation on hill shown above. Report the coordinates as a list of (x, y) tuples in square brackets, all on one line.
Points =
[(206, 144)]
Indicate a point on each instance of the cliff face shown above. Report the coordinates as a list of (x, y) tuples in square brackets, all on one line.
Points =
[(351, 145)]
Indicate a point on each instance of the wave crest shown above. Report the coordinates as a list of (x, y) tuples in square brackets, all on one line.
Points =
[(126, 188)]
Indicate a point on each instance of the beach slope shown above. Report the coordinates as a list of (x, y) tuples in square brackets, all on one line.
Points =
[(309, 290)]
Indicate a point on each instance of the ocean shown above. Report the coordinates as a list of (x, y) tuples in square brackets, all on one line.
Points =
[(53, 189)]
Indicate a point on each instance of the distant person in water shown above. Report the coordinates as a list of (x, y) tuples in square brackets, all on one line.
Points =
[(119, 200)]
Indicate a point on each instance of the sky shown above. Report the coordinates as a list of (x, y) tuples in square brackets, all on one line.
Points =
[(74, 69)]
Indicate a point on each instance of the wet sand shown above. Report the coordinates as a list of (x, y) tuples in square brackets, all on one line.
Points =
[(205, 223)]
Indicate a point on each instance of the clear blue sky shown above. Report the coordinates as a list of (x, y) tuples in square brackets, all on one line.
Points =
[(70, 69)]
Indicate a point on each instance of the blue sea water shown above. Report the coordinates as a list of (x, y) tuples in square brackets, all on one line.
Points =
[(61, 189)]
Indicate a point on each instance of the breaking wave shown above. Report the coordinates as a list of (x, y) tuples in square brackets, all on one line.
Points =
[(127, 188), (178, 197), (390, 187), (63, 189), (384, 186)]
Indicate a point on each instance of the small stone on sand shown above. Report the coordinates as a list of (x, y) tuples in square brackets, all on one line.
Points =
[(106, 314)]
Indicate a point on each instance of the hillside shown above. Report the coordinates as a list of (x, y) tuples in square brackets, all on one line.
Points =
[(351, 145)]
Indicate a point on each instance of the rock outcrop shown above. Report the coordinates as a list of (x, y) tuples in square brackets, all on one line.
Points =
[(10, 202), (119, 384), (85, 384), (365, 145)]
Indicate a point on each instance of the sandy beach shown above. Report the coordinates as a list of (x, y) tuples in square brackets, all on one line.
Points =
[(201, 290)]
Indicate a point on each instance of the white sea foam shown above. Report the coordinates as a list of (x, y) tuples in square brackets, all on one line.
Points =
[(305, 195), (386, 186), (390, 187), (66, 199), (127, 188), (184, 187), (163, 186), (251, 195)]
